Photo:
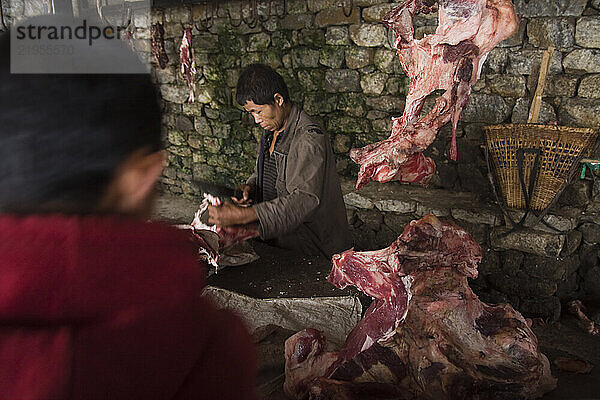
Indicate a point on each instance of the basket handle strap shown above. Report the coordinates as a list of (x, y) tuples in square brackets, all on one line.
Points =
[(493, 184), (528, 194)]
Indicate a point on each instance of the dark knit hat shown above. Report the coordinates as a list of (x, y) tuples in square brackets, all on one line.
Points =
[(62, 136)]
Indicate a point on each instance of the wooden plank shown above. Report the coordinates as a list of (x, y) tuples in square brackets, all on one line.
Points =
[(534, 111)]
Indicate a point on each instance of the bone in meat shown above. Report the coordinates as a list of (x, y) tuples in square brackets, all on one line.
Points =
[(188, 66), (576, 308), (158, 44), (451, 60), (426, 334)]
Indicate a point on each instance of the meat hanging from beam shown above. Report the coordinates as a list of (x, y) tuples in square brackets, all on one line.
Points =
[(450, 60), (426, 335), (157, 35), (188, 65)]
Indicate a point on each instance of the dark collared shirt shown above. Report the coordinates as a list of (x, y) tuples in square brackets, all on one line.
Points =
[(269, 170)]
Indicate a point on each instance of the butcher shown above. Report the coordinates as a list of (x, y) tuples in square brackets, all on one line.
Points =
[(294, 194)]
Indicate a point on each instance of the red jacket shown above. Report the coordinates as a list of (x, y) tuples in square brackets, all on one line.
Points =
[(107, 308)]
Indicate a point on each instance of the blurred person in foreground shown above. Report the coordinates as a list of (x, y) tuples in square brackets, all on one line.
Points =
[(95, 303), (294, 193)]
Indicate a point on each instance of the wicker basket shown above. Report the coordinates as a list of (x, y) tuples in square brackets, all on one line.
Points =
[(560, 148)]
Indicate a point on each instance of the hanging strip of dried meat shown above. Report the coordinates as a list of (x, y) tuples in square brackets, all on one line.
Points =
[(188, 66), (157, 34)]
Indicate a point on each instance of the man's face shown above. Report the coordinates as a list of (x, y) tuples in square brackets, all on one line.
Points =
[(268, 116)]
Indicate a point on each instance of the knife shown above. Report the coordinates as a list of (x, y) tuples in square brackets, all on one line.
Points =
[(221, 191)]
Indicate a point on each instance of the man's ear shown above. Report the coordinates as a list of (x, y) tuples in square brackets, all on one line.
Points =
[(278, 99), (131, 190)]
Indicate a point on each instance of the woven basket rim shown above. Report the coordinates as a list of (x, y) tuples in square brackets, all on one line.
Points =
[(538, 132), (541, 126)]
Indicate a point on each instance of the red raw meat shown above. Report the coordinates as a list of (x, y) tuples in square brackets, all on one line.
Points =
[(451, 60), (157, 35), (188, 66), (227, 236), (426, 334)]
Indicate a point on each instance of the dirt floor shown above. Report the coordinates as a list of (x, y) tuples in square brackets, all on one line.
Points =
[(280, 273), (566, 339)]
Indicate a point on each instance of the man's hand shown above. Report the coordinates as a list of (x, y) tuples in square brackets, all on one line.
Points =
[(229, 214), (246, 198)]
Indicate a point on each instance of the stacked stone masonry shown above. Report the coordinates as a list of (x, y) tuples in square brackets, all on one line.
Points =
[(343, 70)]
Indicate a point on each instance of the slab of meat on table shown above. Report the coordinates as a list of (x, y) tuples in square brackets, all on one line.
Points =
[(188, 65), (426, 335), (450, 60), (157, 35)]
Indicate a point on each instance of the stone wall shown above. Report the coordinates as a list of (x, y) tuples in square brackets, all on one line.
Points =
[(343, 71)]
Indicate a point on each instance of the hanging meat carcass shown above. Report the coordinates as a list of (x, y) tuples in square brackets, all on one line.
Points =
[(188, 65), (426, 335), (451, 60)]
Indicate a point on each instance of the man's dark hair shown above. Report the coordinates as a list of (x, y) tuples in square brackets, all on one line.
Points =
[(259, 83), (62, 136)]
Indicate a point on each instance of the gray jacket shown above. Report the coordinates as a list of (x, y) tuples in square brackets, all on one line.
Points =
[(308, 214)]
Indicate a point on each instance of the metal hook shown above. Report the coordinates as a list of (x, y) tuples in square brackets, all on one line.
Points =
[(131, 22), (282, 16), (99, 10), (231, 19), (126, 12), (127, 15), (208, 21), (268, 13), (344, 8), (254, 21)]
